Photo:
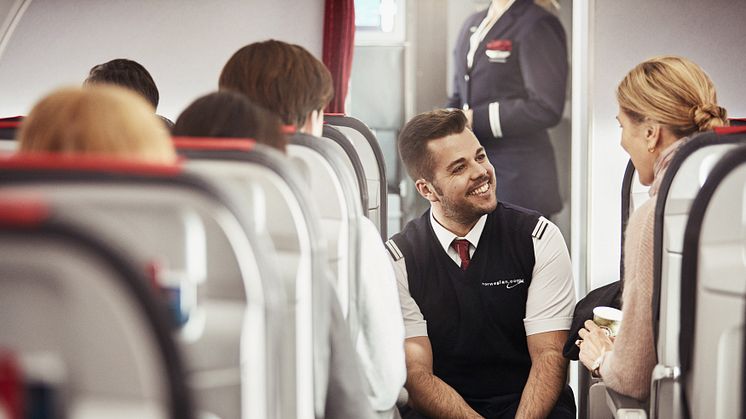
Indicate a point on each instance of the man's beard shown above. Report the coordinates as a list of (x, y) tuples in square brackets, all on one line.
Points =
[(461, 210)]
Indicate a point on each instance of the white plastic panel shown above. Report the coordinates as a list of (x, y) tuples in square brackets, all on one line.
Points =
[(276, 211), (197, 241), (329, 199), (60, 301), (685, 185), (715, 382)]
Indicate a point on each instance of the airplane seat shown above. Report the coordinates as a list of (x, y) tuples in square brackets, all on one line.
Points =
[(687, 172), (353, 162), (372, 159), (335, 196), (82, 323), (198, 250), (713, 293), (240, 166)]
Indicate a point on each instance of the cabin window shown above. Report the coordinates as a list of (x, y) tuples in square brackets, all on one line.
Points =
[(379, 21)]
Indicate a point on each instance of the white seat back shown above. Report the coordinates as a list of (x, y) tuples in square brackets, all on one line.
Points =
[(714, 292), (334, 194), (260, 180), (688, 170), (207, 251), (683, 188), (83, 322), (373, 163)]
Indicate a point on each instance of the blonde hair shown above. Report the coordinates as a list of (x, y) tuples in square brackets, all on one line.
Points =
[(673, 91), (102, 119)]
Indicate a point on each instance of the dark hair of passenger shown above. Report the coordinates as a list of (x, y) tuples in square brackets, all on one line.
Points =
[(229, 114), (125, 73), (422, 129), (283, 78)]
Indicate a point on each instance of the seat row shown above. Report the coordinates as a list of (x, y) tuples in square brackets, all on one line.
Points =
[(699, 294), (247, 246)]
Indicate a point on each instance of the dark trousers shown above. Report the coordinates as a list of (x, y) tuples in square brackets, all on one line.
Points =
[(505, 407)]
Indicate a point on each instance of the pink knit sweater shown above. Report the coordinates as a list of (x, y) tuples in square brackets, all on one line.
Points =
[(627, 368)]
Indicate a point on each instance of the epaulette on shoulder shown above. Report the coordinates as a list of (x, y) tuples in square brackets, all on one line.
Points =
[(540, 228), (393, 249)]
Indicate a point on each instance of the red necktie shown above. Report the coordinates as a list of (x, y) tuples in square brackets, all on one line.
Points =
[(462, 247)]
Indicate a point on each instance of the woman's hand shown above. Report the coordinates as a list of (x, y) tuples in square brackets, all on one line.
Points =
[(593, 343)]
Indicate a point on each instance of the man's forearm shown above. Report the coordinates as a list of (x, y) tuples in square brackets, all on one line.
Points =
[(431, 396), (545, 383)]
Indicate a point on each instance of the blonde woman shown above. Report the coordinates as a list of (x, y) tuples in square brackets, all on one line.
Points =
[(104, 120), (662, 103)]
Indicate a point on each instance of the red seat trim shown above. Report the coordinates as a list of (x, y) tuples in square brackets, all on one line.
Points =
[(85, 162), (730, 130), (25, 213), (206, 143)]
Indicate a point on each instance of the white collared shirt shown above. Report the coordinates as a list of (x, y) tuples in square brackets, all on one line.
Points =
[(493, 14), (551, 293), (445, 237)]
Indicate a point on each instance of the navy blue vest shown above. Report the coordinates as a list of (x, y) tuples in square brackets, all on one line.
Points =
[(475, 317)]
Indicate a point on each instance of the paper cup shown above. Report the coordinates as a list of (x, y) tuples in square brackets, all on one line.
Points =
[(608, 318)]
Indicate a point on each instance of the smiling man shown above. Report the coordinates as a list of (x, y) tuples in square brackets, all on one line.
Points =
[(485, 287)]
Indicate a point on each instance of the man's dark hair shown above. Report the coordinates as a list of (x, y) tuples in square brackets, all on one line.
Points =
[(230, 115), (283, 78), (422, 129), (125, 73)]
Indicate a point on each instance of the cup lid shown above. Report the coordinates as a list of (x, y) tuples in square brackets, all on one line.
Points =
[(609, 313)]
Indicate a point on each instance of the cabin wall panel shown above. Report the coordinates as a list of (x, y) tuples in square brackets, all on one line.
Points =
[(625, 33), (183, 43)]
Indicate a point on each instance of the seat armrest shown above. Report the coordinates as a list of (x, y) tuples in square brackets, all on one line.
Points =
[(624, 407)]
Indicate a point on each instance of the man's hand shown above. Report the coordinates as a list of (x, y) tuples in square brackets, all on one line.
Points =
[(429, 394)]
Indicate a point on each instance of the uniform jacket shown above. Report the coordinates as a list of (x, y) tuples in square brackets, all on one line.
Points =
[(522, 64)]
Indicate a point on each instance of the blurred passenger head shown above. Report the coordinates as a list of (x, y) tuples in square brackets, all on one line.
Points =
[(229, 114), (674, 92), (283, 78), (126, 73), (103, 120), (422, 129)]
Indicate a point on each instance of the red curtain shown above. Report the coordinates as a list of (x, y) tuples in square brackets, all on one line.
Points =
[(339, 43)]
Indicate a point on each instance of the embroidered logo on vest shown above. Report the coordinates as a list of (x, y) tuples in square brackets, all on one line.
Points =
[(509, 283)]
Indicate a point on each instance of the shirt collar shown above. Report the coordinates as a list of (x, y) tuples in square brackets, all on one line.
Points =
[(496, 10), (445, 237)]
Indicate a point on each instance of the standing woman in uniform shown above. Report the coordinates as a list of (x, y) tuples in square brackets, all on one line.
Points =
[(511, 77)]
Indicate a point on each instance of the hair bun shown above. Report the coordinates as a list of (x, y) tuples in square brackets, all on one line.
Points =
[(708, 116)]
